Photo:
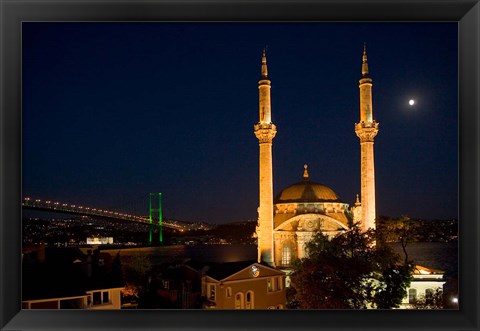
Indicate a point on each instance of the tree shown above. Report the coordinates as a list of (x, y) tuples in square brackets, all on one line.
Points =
[(348, 271), (402, 230), (135, 273), (395, 281)]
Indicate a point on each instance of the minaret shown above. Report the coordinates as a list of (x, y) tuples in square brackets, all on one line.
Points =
[(265, 131), (366, 130)]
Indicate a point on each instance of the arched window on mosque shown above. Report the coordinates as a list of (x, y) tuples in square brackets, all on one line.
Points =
[(286, 254)]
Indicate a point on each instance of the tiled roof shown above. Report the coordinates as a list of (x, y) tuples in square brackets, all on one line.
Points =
[(221, 271), (60, 277), (419, 270)]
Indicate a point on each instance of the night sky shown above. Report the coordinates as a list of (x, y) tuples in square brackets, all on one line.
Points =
[(113, 111)]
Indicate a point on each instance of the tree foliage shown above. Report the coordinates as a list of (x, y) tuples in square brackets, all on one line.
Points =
[(348, 271), (402, 230), (433, 301), (135, 272)]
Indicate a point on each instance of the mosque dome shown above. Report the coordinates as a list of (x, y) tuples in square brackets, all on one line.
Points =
[(306, 191)]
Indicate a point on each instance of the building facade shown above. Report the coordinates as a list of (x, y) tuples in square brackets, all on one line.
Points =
[(287, 222), (300, 211), (425, 283), (99, 299), (65, 278), (255, 286)]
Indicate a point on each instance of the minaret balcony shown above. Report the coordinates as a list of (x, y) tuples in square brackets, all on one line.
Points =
[(265, 126), (264, 81), (365, 81), (368, 124), (366, 131), (265, 132)]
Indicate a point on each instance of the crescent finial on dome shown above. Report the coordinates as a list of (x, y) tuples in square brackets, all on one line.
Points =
[(357, 201), (305, 172)]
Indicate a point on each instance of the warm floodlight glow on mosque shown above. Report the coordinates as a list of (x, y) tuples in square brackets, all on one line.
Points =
[(288, 221)]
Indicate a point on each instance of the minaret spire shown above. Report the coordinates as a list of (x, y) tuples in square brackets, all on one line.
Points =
[(264, 92), (265, 131), (264, 64), (364, 61), (366, 130)]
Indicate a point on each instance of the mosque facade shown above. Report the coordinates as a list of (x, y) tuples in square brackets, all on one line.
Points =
[(289, 220)]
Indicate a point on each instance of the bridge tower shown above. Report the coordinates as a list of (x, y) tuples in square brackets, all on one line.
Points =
[(155, 213)]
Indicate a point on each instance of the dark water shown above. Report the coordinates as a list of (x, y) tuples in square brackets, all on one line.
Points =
[(437, 255), (207, 253)]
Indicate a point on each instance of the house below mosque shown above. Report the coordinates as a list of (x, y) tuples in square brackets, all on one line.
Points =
[(240, 285), (68, 279), (425, 283), (225, 285)]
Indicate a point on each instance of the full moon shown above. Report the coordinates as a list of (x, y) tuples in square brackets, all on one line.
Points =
[(411, 102)]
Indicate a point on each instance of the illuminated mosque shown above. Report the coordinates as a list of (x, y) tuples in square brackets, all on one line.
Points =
[(288, 221)]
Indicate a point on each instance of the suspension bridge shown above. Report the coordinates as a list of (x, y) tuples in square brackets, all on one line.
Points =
[(154, 219)]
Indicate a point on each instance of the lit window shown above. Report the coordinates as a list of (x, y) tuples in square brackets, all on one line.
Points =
[(239, 304), (249, 300), (286, 254), (211, 295), (97, 298), (412, 295), (428, 296), (274, 284), (229, 292), (270, 284), (106, 297)]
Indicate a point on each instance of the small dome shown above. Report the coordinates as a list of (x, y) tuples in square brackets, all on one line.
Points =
[(307, 191)]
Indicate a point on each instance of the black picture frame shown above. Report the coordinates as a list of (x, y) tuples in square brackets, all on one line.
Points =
[(13, 13)]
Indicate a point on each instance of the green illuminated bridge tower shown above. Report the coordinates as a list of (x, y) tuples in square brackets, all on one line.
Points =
[(155, 218)]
